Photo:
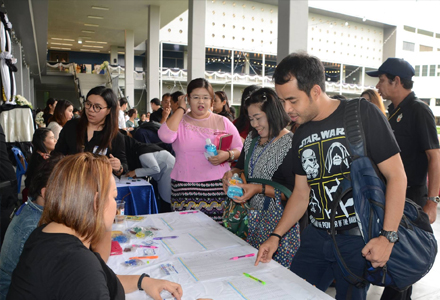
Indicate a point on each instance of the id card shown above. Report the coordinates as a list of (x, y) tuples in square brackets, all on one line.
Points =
[(102, 152)]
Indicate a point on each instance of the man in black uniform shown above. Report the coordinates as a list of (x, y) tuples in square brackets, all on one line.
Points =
[(414, 128), (162, 114), (320, 164)]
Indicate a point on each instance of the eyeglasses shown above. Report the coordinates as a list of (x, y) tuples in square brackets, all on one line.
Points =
[(96, 107), (204, 98)]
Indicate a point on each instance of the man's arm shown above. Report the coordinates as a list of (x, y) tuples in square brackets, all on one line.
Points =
[(378, 250), (433, 182), (294, 210)]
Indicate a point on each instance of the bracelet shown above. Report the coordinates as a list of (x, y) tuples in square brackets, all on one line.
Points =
[(120, 169), (184, 110), (277, 235), (231, 155), (140, 281), (263, 191)]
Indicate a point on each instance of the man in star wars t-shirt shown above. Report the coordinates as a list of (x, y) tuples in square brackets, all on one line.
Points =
[(321, 164)]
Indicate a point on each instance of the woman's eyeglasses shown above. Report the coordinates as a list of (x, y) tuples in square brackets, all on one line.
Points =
[(204, 98), (96, 107)]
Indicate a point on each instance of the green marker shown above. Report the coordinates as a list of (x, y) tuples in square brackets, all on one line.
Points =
[(256, 279)]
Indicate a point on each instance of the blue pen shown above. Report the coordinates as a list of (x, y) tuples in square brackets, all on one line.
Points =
[(165, 237)]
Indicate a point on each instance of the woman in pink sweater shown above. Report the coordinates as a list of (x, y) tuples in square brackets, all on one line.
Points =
[(196, 181)]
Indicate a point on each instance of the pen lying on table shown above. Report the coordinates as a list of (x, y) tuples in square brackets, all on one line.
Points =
[(242, 256), (254, 278), (165, 237), (144, 257)]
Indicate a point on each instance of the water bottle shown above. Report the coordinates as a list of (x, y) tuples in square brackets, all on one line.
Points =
[(233, 189), (211, 150)]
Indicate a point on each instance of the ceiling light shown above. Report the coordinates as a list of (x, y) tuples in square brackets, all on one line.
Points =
[(95, 17), (62, 44), (91, 25), (96, 42), (58, 39), (87, 31), (89, 50), (346, 23), (121, 52), (58, 48), (100, 8), (92, 46), (80, 42), (68, 40)]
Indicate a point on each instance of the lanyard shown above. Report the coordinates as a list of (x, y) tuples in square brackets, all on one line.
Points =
[(394, 114), (253, 162)]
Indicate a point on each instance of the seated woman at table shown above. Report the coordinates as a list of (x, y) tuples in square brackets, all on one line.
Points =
[(44, 143), (270, 158), (24, 221), (56, 261), (97, 130), (196, 181), (151, 160), (132, 122), (63, 112)]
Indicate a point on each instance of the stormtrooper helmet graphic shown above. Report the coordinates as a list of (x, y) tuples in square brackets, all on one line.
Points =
[(310, 163)]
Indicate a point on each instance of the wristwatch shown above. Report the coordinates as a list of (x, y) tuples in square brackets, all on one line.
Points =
[(392, 236), (436, 199)]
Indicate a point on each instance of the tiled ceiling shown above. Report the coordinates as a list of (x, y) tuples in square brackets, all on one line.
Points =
[(100, 24)]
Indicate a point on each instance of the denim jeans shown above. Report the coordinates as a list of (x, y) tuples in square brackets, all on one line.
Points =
[(316, 262), (24, 222)]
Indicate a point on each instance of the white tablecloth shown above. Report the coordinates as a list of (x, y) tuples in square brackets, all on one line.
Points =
[(18, 125), (201, 257)]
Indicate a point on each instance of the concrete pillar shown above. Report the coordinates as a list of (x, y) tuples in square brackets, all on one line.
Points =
[(114, 55), (32, 92), (26, 83), (129, 66), (293, 18), (16, 52), (196, 39), (153, 55), (389, 48)]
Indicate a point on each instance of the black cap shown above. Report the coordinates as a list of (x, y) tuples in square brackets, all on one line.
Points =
[(394, 66)]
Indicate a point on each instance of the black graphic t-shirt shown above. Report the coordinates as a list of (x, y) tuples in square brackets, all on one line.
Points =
[(324, 157)]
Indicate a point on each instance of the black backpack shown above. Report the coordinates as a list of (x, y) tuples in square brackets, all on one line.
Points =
[(413, 255)]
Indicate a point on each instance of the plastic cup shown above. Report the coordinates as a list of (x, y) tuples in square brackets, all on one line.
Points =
[(120, 212)]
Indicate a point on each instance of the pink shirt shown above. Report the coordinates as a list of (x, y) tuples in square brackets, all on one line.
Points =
[(189, 144)]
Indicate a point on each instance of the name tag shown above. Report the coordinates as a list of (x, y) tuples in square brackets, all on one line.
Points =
[(102, 152)]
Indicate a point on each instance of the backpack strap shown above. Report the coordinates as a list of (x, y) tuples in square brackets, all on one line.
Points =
[(354, 135)]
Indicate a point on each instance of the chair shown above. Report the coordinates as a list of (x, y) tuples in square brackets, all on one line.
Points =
[(21, 165)]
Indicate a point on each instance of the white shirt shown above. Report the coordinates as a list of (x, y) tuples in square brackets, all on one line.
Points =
[(121, 120)]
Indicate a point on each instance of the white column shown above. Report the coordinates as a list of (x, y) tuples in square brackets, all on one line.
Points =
[(196, 39), (114, 55), (129, 66), (32, 92), (152, 47), (293, 17), (16, 52), (26, 83)]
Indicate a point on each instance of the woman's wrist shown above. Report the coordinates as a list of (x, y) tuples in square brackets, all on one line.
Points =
[(184, 109)]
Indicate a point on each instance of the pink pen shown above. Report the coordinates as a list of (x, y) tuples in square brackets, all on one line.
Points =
[(143, 246), (189, 212), (242, 256)]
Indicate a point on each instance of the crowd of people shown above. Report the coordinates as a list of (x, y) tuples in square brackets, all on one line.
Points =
[(288, 143)]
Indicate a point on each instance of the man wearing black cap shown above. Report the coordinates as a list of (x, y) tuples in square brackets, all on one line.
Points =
[(414, 128)]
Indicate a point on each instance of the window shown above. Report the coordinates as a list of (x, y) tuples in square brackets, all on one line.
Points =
[(408, 46), (409, 28), (438, 70), (437, 35), (432, 70), (425, 32), (417, 69), (424, 70), (437, 102), (424, 48)]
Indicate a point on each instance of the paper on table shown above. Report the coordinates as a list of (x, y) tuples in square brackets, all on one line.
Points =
[(217, 265), (124, 181), (200, 240), (175, 221)]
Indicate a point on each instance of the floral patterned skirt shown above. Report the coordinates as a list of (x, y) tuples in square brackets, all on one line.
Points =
[(207, 197)]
